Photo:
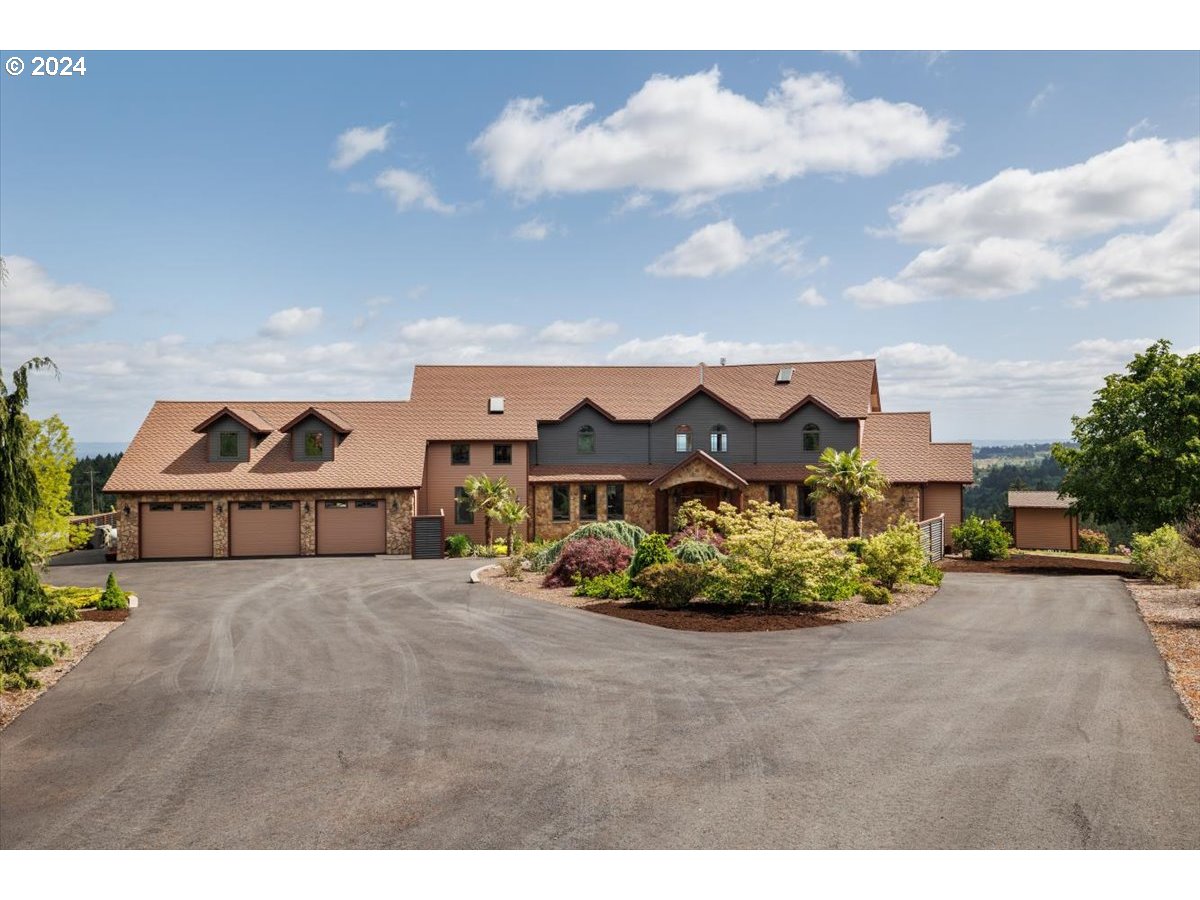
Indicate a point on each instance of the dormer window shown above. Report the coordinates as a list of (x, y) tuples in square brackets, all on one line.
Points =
[(227, 442), (315, 434), (683, 439), (585, 440), (718, 439), (495, 405), (811, 437), (314, 444)]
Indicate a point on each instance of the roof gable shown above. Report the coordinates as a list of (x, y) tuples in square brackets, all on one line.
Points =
[(330, 418), (248, 418)]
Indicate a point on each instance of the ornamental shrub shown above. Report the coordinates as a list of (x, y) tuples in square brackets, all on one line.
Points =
[(587, 558), (699, 534), (484, 551), (983, 538), (894, 555), (1164, 556), (929, 574), (1092, 541), (616, 530), (672, 585), (875, 595), (113, 597), (18, 658), (614, 586), (542, 557), (651, 551), (458, 545), (696, 552)]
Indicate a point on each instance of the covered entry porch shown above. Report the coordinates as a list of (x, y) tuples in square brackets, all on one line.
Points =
[(698, 477)]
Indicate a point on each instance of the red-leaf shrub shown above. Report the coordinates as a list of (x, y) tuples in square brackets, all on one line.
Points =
[(588, 558), (697, 533)]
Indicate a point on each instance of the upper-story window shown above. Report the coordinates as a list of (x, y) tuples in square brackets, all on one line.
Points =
[(812, 437), (718, 439), (314, 443), (460, 454), (683, 439), (227, 445), (502, 454), (585, 440)]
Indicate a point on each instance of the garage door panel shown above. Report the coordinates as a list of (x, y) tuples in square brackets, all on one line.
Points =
[(351, 526), (176, 530), (264, 528)]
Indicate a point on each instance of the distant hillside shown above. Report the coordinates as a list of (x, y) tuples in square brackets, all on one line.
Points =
[(99, 448), (1001, 454)]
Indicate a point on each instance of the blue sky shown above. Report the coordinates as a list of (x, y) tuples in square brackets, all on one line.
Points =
[(187, 225)]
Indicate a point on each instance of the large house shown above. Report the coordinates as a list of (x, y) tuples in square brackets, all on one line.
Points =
[(578, 444)]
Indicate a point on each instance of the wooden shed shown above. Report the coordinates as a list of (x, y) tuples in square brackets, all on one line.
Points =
[(1042, 521)]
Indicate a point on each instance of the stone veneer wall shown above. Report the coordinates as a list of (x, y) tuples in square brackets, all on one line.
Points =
[(398, 521), (639, 509)]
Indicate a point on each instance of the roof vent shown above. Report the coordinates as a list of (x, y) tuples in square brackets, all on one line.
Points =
[(495, 405), (784, 376)]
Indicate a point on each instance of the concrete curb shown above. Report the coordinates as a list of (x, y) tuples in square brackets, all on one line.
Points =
[(474, 576)]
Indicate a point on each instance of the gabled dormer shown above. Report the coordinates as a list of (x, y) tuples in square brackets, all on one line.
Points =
[(232, 432), (315, 434)]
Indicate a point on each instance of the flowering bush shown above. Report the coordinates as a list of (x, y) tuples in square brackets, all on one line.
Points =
[(588, 558), (698, 533), (1164, 556), (895, 555), (1092, 541)]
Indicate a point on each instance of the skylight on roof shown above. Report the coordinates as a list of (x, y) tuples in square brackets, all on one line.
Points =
[(495, 405), (785, 375)]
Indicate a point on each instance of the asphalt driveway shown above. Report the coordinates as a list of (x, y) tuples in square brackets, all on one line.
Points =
[(385, 703)]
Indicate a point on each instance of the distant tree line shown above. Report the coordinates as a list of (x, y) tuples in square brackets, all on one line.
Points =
[(1015, 450), (89, 471), (988, 497)]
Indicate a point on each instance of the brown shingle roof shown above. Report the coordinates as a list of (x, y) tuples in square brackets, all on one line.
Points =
[(901, 443), (328, 416), (453, 399), (595, 472), (1038, 500), (247, 416), (384, 450)]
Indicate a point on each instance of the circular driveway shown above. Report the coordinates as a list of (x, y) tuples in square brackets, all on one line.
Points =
[(373, 702)]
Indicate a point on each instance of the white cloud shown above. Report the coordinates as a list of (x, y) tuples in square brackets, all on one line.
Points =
[(585, 332), (292, 321), (689, 136), (375, 306), (811, 297), (1042, 96), (851, 56), (409, 190), (1139, 266), (450, 330), (1140, 181), (635, 201), (1107, 350), (694, 348), (354, 144), (720, 248), (992, 268), (535, 229), (31, 297), (1143, 125)]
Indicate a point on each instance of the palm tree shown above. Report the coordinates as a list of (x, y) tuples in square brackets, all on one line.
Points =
[(483, 495), (850, 480), (510, 514)]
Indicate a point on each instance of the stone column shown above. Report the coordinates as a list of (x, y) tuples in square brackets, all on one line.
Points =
[(308, 526)]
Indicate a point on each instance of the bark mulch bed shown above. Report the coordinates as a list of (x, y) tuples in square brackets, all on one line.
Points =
[(712, 617), (1030, 564), (1173, 616), (82, 636), (104, 615)]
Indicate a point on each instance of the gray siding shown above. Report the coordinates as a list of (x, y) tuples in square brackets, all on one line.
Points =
[(702, 413), (615, 442), (298, 437), (784, 441), (214, 440)]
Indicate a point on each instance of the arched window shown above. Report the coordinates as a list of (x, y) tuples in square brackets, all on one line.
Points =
[(585, 441), (812, 437), (718, 439), (683, 439)]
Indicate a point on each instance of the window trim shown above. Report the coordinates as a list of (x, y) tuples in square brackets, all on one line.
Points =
[(685, 432), (237, 445), (463, 514), (554, 516), (811, 430), (585, 431), (496, 461), (463, 462), (317, 435), (718, 439)]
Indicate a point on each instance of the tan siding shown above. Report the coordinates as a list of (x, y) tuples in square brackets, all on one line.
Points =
[(351, 529), (264, 531), (942, 498), (1043, 529), (176, 532), (441, 478)]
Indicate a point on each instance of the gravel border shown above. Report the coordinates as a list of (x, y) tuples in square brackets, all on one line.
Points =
[(1172, 616), (82, 636)]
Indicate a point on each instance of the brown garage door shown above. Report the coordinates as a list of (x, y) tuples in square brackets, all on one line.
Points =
[(350, 526), (176, 530), (264, 528)]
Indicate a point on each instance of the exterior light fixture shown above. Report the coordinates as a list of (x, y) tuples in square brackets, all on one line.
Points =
[(307, 508), (127, 510), (220, 507), (395, 505)]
